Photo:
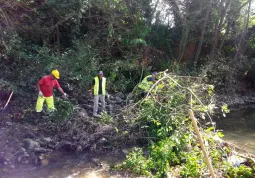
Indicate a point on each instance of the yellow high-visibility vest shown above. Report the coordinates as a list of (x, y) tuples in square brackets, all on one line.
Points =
[(145, 85), (96, 87)]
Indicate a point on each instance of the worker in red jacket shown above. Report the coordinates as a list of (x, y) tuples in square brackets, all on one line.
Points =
[(45, 87)]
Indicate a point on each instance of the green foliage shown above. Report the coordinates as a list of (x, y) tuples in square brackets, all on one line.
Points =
[(136, 162), (224, 110), (123, 75), (81, 37), (240, 172), (11, 42), (64, 110), (6, 86), (161, 156), (159, 114), (164, 154), (165, 123), (62, 36), (163, 117), (80, 64), (220, 134), (138, 41), (251, 42), (223, 73), (106, 119), (193, 165)]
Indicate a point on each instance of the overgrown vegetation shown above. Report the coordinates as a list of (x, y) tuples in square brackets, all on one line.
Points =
[(65, 110), (129, 39), (128, 36), (173, 145)]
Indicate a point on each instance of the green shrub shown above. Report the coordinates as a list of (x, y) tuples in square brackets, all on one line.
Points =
[(64, 110), (240, 172), (105, 118), (194, 164), (164, 122), (136, 162), (164, 154)]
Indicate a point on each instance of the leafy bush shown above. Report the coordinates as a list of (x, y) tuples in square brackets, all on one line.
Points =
[(194, 164), (123, 76), (136, 162), (226, 75), (105, 118), (64, 110), (163, 154), (164, 121), (6, 86), (240, 172)]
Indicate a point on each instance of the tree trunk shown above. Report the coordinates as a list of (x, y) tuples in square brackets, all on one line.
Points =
[(229, 22), (241, 43), (225, 36), (184, 36), (180, 22), (216, 29), (58, 42), (223, 16), (202, 34)]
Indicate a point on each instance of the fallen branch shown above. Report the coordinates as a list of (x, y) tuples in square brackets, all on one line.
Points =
[(8, 100), (208, 162)]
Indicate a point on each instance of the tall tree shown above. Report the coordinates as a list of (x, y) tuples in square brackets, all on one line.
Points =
[(208, 9), (181, 24), (219, 20), (242, 42)]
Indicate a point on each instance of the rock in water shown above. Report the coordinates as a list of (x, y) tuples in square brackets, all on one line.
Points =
[(42, 150), (67, 146), (111, 97), (47, 139), (9, 123), (120, 95), (108, 100), (3, 160), (30, 144), (118, 100)]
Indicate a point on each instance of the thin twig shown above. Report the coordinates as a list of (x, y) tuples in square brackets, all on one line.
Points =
[(8, 100)]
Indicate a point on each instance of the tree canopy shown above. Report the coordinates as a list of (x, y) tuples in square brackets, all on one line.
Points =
[(82, 36)]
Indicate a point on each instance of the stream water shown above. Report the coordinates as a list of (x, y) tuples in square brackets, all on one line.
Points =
[(239, 128), (75, 165)]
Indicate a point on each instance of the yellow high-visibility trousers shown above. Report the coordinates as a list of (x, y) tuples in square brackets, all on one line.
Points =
[(49, 102)]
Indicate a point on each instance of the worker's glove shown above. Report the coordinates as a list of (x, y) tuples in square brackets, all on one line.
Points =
[(65, 95), (41, 94), (90, 93)]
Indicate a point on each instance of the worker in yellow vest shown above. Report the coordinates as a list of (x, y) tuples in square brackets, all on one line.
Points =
[(147, 83), (99, 90)]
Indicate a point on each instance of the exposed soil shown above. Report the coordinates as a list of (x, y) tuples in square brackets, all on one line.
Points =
[(27, 138)]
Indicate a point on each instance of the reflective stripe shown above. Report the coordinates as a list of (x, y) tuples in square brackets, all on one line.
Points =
[(96, 87), (145, 85)]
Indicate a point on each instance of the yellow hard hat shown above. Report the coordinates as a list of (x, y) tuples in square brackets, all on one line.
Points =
[(56, 74)]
